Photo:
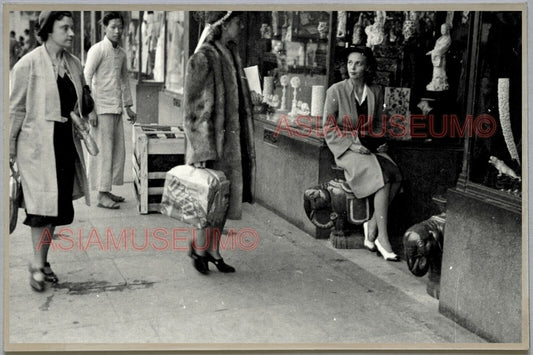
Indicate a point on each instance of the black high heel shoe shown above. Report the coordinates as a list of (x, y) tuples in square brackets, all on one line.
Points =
[(199, 262), (219, 263), (49, 275)]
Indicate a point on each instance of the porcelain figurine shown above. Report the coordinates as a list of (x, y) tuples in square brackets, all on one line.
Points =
[(295, 84), (502, 168), (375, 32), (358, 31), (341, 26), (284, 81), (439, 80)]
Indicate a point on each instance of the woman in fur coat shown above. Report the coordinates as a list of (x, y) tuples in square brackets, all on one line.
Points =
[(218, 123), (46, 85)]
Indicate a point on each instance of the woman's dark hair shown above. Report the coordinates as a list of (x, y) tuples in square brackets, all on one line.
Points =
[(47, 25), (112, 16), (371, 64), (211, 17)]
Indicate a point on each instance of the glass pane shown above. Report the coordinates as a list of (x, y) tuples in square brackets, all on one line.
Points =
[(414, 82), (290, 48), (153, 37), (176, 51), (86, 41), (496, 157), (132, 42)]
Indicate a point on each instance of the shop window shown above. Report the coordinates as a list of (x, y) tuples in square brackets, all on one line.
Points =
[(291, 50), (176, 51), (86, 31), (495, 158), (145, 42), (152, 48), (401, 41), (132, 42)]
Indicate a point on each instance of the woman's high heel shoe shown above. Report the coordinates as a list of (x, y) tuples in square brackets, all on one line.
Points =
[(371, 246), (199, 262), (219, 263), (389, 256), (49, 275), (37, 278)]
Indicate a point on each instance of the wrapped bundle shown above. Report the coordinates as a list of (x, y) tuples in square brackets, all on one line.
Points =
[(197, 196)]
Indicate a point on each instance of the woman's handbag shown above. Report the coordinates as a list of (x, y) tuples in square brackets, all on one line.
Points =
[(15, 196), (83, 129), (87, 102)]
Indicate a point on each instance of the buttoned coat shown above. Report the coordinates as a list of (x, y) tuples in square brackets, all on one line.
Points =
[(362, 171), (106, 72), (218, 119), (34, 107)]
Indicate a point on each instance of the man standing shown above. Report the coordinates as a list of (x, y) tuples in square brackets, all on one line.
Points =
[(107, 74)]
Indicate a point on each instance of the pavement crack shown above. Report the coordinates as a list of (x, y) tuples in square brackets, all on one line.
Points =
[(87, 287), (120, 273), (46, 305)]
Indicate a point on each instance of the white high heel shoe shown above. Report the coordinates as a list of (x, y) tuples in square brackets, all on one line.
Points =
[(371, 246), (389, 256)]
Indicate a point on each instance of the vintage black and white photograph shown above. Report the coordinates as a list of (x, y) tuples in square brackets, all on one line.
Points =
[(265, 177)]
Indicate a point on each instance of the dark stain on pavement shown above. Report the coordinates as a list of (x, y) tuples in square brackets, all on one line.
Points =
[(84, 288), (46, 304)]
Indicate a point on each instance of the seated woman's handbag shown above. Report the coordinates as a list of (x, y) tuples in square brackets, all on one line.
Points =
[(15, 196), (332, 204)]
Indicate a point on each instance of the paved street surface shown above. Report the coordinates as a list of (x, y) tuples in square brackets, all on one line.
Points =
[(289, 288)]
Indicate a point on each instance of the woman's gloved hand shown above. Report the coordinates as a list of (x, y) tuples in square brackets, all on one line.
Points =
[(383, 148), (358, 148)]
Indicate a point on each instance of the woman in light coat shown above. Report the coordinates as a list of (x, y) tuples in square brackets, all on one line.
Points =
[(46, 85), (369, 171)]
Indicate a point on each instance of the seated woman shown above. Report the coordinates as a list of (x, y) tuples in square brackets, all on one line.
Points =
[(369, 171)]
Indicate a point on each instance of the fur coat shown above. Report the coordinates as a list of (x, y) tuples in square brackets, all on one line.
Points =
[(218, 120), (34, 106)]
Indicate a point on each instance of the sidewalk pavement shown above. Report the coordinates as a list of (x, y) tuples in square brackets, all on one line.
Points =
[(289, 288)]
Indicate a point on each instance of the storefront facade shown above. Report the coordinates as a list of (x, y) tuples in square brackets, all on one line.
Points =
[(298, 55)]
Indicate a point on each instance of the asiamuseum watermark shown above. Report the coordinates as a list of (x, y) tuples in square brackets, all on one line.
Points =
[(159, 239), (395, 126)]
